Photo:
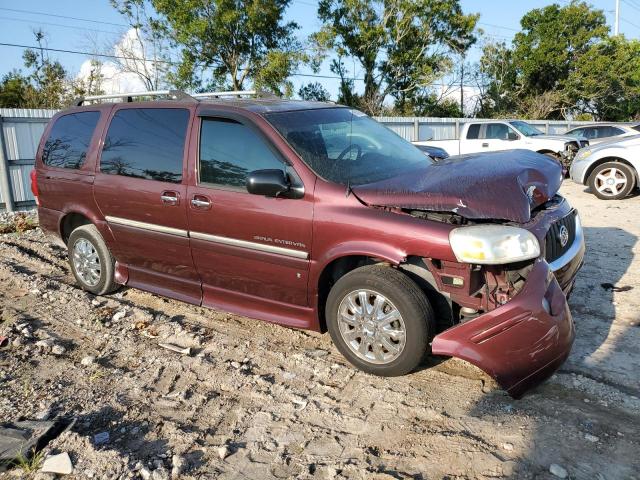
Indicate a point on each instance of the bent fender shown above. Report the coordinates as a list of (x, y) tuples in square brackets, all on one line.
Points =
[(519, 344)]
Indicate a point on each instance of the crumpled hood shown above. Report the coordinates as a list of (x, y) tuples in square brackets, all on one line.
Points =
[(501, 185)]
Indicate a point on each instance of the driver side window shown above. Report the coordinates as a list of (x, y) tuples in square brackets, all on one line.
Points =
[(498, 131), (230, 150)]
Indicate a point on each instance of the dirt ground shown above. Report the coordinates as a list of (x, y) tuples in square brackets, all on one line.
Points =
[(258, 401)]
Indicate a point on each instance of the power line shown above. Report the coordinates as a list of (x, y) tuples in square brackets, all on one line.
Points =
[(58, 25), (104, 55), (48, 14)]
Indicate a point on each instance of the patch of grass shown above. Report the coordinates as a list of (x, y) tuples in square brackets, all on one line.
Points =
[(31, 463), (97, 375)]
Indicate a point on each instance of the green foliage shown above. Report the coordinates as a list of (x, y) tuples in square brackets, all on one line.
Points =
[(13, 90), (552, 39), (314, 91), (562, 63), (229, 43), (401, 45), (606, 80)]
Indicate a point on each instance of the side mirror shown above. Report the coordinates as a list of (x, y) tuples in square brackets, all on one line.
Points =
[(270, 183), (512, 136)]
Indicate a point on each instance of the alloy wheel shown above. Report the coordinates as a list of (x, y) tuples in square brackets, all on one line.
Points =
[(371, 326), (86, 262), (611, 181)]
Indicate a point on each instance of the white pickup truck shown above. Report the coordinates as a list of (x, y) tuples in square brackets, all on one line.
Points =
[(494, 135)]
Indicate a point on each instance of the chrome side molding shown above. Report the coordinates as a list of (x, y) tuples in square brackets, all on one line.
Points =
[(147, 226), (234, 242), (261, 247)]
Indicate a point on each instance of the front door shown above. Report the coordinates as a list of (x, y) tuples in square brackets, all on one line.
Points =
[(251, 251), (140, 190)]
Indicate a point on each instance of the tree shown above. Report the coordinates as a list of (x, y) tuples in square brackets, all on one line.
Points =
[(314, 91), (144, 50), (13, 90), (605, 82), (230, 43), (48, 78), (552, 39), (401, 45)]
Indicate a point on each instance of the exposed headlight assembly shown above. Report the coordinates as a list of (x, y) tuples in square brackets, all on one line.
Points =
[(493, 244), (583, 153)]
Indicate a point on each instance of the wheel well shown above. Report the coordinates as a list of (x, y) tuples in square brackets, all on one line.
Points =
[(609, 159), (331, 274), (414, 268), (70, 222)]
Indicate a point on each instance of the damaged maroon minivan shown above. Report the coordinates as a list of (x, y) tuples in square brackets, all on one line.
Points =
[(315, 216)]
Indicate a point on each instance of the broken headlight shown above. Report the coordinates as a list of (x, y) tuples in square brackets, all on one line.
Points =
[(493, 244)]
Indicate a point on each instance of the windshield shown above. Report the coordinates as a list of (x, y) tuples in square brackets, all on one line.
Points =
[(526, 129), (345, 146)]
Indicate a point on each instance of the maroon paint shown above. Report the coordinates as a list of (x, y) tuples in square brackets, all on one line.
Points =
[(527, 344), (519, 344)]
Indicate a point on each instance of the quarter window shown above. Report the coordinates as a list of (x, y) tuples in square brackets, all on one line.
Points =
[(146, 143), (230, 150), (69, 140)]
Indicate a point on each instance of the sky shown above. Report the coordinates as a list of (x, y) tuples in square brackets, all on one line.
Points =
[(79, 25)]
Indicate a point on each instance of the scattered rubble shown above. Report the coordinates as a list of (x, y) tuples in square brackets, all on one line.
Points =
[(255, 400)]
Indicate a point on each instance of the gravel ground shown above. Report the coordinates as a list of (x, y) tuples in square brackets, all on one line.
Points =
[(254, 400)]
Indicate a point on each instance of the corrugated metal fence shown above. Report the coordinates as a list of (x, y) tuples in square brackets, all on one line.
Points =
[(20, 132), (426, 128), (21, 129)]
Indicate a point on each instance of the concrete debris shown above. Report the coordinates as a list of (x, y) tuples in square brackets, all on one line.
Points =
[(223, 452), (60, 464), (175, 348), (58, 350), (591, 438), (558, 471), (88, 360)]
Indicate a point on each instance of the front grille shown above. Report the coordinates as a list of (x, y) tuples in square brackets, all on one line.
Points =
[(553, 245)]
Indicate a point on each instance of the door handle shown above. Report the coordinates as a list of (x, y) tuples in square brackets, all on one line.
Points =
[(170, 198), (201, 202), (485, 145)]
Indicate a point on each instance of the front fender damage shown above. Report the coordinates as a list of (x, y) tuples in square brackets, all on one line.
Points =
[(521, 343)]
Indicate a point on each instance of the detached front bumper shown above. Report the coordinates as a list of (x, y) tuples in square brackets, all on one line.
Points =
[(521, 343)]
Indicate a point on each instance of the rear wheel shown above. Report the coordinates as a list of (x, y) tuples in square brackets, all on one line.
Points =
[(611, 181), (91, 262), (380, 320)]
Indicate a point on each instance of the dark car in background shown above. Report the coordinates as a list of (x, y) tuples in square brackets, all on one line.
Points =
[(315, 216)]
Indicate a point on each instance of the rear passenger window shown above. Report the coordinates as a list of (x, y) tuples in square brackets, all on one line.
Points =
[(474, 132), (146, 143), (230, 150), (69, 140)]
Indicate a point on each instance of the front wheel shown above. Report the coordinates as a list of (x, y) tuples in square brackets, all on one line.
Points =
[(611, 181), (380, 320)]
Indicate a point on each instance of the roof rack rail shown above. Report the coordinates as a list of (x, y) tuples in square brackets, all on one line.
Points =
[(172, 94), (230, 93)]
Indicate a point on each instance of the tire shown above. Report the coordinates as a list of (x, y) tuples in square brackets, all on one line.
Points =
[(86, 244), (557, 158), (402, 296), (617, 172)]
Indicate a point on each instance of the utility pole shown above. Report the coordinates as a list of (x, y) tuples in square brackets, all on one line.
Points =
[(616, 28), (462, 86)]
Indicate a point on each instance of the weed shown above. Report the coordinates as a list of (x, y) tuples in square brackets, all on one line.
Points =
[(30, 463)]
